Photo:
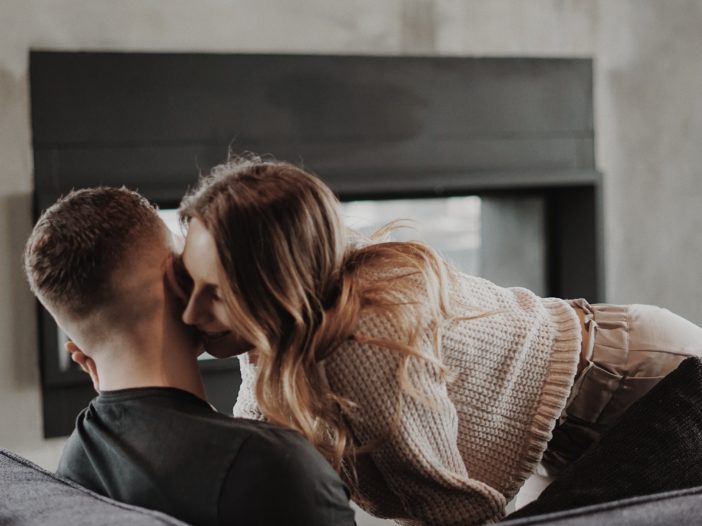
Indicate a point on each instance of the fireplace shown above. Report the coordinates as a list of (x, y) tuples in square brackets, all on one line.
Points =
[(514, 137)]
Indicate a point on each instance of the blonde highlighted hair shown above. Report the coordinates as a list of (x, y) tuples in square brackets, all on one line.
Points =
[(297, 283)]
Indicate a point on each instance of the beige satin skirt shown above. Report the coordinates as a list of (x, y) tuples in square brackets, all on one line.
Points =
[(631, 347)]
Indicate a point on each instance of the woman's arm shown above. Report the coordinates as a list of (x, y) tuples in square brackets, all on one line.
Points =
[(415, 439)]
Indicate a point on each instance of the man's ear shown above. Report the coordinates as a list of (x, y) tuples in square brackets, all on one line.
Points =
[(85, 362)]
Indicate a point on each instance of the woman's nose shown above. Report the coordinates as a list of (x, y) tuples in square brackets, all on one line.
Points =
[(193, 313)]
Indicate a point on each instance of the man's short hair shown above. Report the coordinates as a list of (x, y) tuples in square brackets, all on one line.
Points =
[(78, 243)]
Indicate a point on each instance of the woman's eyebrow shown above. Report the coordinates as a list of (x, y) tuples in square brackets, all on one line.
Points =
[(186, 279)]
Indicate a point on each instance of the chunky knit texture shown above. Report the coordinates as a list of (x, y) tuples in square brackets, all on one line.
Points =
[(460, 447)]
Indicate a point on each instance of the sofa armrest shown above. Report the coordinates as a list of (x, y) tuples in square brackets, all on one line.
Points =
[(30, 495)]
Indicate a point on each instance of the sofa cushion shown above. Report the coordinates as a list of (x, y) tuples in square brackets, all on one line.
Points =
[(661, 509), (656, 447), (30, 495)]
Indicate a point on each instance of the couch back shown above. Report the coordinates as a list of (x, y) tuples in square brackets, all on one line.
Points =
[(30, 495), (661, 509)]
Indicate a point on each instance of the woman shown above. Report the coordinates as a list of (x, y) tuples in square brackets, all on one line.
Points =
[(433, 393)]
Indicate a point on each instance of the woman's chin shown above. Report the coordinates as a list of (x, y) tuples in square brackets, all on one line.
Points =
[(224, 345)]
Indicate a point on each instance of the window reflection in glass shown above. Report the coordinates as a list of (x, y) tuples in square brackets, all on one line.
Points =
[(449, 225)]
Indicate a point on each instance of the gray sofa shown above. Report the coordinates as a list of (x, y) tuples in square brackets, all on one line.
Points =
[(683, 507), (31, 496)]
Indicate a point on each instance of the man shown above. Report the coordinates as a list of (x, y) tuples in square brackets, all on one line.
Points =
[(97, 260)]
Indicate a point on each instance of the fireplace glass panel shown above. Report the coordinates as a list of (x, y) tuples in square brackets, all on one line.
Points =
[(499, 238)]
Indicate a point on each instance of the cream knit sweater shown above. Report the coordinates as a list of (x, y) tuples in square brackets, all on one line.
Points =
[(459, 452)]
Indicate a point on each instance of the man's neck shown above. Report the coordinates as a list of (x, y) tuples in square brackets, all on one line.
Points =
[(179, 371)]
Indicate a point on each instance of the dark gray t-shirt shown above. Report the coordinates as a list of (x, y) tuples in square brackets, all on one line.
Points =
[(165, 449)]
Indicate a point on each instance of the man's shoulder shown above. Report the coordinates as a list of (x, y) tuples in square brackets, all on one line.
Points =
[(280, 466), (195, 455), (283, 449), (73, 463)]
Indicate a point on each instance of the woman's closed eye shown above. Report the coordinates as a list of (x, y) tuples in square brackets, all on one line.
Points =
[(217, 295)]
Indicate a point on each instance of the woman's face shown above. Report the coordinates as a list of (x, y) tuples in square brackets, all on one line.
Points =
[(205, 310)]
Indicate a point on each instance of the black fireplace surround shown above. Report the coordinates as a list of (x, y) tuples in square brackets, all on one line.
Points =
[(373, 127)]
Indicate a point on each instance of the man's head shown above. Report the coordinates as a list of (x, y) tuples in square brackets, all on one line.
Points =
[(79, 242), (96, 260)]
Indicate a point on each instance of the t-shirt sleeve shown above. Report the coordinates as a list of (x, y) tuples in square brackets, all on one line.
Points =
[(75, 465), (246, 406), (279, 478), (413, 441)]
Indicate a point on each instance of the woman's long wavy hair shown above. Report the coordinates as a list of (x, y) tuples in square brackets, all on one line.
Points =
[(298, 281)]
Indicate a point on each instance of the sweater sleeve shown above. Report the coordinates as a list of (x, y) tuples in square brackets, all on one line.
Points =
[(413, 440), (246, 405)]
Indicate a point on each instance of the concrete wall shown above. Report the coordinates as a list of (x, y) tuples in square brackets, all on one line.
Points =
[(648, 118), (649, 124)]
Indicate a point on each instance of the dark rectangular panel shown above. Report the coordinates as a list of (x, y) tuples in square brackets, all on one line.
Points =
[(171, 168), (576, 245), (172, 99), (154, 121)]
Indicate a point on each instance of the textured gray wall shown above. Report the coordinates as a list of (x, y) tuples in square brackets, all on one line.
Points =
[(648, 71), (649, 144)]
